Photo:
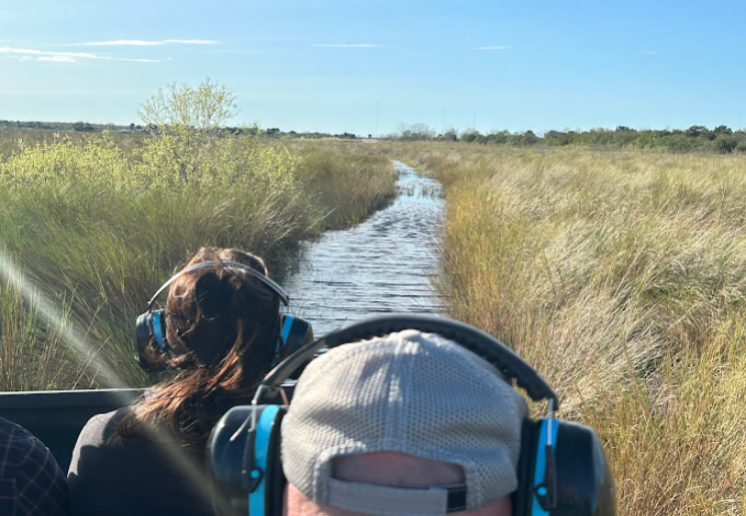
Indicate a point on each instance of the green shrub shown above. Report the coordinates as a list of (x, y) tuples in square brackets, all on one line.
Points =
[(724, 144)]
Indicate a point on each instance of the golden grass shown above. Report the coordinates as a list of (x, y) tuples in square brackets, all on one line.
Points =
[(622, 277)]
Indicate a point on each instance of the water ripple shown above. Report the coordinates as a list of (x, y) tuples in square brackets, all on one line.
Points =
[(383, 265)]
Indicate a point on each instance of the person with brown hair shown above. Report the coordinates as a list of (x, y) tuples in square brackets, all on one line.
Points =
[(222, 325)]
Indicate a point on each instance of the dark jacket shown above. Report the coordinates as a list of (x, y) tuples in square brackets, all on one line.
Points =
[(134, 475), (31, 482)]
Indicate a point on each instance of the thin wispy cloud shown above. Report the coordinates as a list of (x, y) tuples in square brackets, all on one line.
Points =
[(650, 52), (32, 52), (65, 57), (56, 59), (145, 43), (492, 48), (347, 45), (133, 60)]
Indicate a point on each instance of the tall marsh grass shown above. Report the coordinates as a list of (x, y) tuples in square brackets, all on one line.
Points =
[(622, 278), (90, 229), (348, 188)]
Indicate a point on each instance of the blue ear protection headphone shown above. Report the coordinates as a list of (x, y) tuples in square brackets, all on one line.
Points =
[(293, 333), (562, 469)]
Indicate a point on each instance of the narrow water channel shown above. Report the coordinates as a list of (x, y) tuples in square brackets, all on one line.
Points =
[(383, 265)]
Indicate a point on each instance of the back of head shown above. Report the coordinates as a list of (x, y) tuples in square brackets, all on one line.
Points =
[(222, 326), (222, 313), (409, 393)]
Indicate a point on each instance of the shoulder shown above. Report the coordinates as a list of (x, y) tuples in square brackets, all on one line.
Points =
[(26, 465), (10, 431), (101, 427), (20, 449), (130, 475), (95, 441)]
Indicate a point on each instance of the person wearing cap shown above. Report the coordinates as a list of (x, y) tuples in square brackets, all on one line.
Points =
[(408, 424), (31, 481)]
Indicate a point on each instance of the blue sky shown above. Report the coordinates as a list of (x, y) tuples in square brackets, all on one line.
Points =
[(336, 66)]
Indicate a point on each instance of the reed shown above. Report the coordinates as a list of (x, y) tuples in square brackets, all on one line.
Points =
[(622, 278), (90, 228)]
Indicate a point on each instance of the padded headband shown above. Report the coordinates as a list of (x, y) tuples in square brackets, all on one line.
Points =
[(274, 287), (476, 341)]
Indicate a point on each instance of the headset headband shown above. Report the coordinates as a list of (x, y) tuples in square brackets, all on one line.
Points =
[(476, 341), (274, 287)]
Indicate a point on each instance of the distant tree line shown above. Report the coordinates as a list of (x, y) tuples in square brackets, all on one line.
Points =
[(68, 126), (275, 132), (697, 138), (252, 130)]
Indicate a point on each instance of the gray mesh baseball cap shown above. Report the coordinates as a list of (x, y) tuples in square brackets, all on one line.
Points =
[(409, 392)]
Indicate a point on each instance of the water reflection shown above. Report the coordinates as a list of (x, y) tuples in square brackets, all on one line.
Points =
[(383, 265)]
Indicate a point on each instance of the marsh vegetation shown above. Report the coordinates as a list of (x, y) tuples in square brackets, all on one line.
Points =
[(622, 277), (90, 226)]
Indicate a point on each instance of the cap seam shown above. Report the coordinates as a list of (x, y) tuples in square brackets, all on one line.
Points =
[(410, 348), (389, 415)]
